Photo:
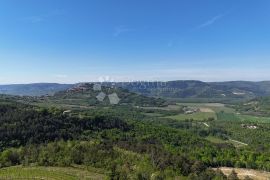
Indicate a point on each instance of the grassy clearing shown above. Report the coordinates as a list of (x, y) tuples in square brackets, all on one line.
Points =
[(223, 109), (153, 114), (203, 104), (167, 108), (206, 109), (198, 116), (217, 107), (215, 140), (48, 173), (255, 119)]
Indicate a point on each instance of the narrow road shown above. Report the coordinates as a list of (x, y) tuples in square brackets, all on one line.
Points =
[(206, 124), (239, 142)]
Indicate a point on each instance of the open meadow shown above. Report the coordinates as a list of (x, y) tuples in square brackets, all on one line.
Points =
[(49, 173)]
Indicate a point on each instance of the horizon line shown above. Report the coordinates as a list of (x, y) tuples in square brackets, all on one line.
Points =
[(150, 81)]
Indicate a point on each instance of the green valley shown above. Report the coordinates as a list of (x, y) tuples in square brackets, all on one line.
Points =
[(140, 140)]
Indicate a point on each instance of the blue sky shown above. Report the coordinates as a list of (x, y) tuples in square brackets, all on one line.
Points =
[(70, 41)]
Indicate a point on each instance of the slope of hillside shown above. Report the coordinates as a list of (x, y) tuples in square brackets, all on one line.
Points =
[(211, 91), (256, 106), (88, 94)]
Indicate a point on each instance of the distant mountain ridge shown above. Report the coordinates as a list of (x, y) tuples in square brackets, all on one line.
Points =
[(197, 89), (188, 89), (36, 89)]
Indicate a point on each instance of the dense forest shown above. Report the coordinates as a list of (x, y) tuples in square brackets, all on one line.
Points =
[(122, 140)]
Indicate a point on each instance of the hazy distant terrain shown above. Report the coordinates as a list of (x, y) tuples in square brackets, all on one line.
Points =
[(37, 89), (197, 89), (181, 90)]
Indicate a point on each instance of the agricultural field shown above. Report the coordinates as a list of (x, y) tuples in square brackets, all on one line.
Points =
[(216, 107), (166, 108), (219, 131), (205, 111), (197, 116), (154, 114), (222, 116), (254, 119), (242, 118), (203, 104), (48, 173)]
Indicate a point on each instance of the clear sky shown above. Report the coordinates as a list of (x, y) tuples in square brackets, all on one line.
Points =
[(70, 41)]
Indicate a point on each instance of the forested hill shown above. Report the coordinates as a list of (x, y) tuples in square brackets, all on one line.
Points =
[(212, 91), (90, 94)]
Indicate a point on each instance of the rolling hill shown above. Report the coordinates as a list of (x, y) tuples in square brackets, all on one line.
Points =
[(207, 91), (233, 91), (89, 94)]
